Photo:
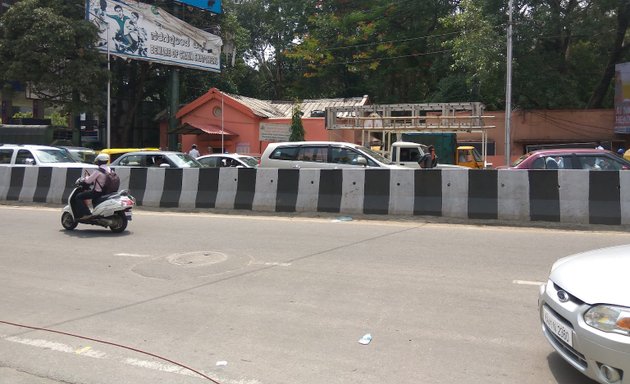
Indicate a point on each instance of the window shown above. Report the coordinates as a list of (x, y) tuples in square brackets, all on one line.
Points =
[(5, 156), (23, 155), (318, 154), (131, 161), (284, 153)]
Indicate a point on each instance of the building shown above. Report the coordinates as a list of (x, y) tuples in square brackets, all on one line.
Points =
[(221, 122)]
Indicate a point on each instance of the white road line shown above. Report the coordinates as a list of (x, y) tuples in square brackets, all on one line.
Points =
[(89, 352), (130, 255), (526, 282)]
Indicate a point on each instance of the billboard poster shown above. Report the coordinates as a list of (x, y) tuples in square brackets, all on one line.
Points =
[(622, 98), (213, 6), (140, 31)]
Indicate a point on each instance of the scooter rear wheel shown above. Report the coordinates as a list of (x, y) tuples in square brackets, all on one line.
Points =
[(67, 221), (119, 222)]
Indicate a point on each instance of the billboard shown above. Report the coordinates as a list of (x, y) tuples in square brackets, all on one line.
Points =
[(213, 6), (622, 98), (141, 31)]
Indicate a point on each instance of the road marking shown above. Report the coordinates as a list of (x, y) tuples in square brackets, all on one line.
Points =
[(526, 282), (89, 352), (130, 255), (82, 350)]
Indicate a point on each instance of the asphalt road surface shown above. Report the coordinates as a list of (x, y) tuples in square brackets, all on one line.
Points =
[(208, 298)]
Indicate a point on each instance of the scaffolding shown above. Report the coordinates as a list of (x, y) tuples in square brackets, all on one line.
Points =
[(391, 119)]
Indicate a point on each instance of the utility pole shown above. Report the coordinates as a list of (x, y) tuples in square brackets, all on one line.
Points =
[(508, 89)]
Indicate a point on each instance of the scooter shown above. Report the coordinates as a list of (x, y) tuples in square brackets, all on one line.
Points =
[(112, 210)]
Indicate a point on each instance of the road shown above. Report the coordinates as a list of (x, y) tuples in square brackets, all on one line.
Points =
[(276, 300)]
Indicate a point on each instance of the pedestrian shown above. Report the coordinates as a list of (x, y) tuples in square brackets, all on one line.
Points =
[(430, 159), (194, 153), (599, 145)]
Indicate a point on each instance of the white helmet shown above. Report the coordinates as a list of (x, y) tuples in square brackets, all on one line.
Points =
[(102, 158)]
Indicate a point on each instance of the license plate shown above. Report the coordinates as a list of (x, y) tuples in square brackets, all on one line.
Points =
[(559, 328), (128, 214)]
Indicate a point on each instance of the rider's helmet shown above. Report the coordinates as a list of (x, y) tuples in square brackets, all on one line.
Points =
[(101, 159)]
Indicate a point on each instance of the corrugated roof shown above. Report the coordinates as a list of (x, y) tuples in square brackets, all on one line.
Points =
[(283, 109)]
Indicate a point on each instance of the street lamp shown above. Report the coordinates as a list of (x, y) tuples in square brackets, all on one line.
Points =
[(508, 88)]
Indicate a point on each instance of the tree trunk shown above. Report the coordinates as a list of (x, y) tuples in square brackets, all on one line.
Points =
[(617, 51)]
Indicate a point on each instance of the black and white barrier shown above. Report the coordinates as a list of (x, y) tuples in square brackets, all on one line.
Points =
[(567, 196)]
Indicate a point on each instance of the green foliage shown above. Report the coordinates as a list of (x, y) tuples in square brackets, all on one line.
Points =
[(56, 118), (47, 44), (297, 129)]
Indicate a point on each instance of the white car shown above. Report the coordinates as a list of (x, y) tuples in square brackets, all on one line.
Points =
[(15, 155), (217, 160), (322, 154), (585, 313)]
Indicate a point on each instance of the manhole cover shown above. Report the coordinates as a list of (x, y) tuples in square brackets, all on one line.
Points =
[(196, 259)]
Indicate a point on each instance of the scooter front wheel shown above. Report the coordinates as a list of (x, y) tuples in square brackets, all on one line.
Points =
[(67, 221), (119, 222)]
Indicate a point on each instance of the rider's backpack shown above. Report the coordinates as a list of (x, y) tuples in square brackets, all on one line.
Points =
[(112, 182)]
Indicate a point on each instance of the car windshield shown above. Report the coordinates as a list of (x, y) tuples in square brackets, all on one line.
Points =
[(521, 159), (375, 155), (53, 156), (250, 161), (183, 160)]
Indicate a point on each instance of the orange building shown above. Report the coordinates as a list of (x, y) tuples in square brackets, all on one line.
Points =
[(221, 122), (218, 121)]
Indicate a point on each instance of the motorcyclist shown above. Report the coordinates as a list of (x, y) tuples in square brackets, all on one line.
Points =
[(97, 179)]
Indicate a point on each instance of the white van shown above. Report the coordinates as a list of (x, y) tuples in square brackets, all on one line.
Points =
[(322, 154)]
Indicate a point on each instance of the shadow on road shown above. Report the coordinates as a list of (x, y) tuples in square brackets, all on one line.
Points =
[(564, 372), (89, 233)]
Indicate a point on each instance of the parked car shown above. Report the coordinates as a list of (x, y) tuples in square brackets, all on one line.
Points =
[(585, 313), (38, 155), (162, 159), (576, 158), (216, 160), (115, 153), (322, 154), (80, 154)]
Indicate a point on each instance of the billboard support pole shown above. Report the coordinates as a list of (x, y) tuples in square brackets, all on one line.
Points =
[(172, 120), (109, 91)]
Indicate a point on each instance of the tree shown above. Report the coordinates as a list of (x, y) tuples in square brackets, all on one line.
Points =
[(297, 129), (47, 45), (618, 47)]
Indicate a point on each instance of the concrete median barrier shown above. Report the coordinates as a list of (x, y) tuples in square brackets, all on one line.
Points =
[(566, 196)]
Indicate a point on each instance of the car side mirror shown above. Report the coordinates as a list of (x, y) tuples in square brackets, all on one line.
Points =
[(362, 161), (29, 161), (165, 165)]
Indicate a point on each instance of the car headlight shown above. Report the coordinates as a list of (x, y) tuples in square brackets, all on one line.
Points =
[(609, 318)]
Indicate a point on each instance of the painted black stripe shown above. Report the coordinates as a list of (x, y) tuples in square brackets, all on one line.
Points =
[(604, 200), (208, 188), (376, 194), (330, 189), (483, 194), (138, 183), (544, 195), (72, 174), (43, 184), (15, 186), (245, 188), (172, 188), (287, 190), (427, 192)]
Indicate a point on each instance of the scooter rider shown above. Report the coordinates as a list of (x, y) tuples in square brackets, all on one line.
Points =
[(97, 178)]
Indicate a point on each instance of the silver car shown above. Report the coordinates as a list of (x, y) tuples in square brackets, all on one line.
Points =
[(585, 313)]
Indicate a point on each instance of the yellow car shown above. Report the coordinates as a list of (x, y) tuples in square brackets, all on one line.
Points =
[(115, 153), (627, 155)]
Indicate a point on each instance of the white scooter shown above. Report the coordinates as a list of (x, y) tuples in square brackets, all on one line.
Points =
[(112, 210)]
